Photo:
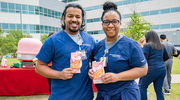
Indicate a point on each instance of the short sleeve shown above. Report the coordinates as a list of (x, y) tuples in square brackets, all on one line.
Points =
[(174, 49), (46, 52), (146, 49), (137, 58), (165, 51)]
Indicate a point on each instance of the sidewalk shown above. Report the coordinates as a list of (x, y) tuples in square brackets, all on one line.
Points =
[(175, 78)]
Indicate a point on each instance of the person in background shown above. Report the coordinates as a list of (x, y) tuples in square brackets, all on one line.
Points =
[(171, 50), (141, 42), (125, 60), (66, 84), (155, 54), (50, 65)]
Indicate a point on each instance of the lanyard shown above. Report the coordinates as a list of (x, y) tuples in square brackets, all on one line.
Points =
[(107, 48), (80, 41), (105, 52)]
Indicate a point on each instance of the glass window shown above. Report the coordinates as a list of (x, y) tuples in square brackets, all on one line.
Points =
[(25, 9), (46, 28), (37, 10), (145, 13), (126, 2), (176, 25), (11, 7), (53, 13), (126, 16), (5, 26), (155, 27), (53, 29), (163, 11), (155, 12), (90, 32), (45, 12), (50, 29), (135, 1), (49, 13), (42, 29), (26, 31), (37, 29), (32, 27), (18, 7), (56, 14), (165, 26), (95, 32), (88, 20), (4, 7), (96, 20), (96, 7), (25, 27), (31, 9), (175, 9), (12, 26), (119, 3), (59, 15), (57, 29), (18, 26), (41, 11)]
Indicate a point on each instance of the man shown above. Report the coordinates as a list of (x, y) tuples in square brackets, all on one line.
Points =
[(66, 84), (171, 50)]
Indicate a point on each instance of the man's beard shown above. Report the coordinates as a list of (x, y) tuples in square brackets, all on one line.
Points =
[(75, 30)]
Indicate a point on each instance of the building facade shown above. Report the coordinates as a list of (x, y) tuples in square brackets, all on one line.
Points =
[(163, 14), (43, 16), (31, 16)]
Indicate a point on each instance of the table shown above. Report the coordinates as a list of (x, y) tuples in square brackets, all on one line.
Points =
[(19, 81)]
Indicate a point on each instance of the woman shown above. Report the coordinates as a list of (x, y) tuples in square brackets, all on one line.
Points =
[(126, 61), (155, 54), (141, 42)]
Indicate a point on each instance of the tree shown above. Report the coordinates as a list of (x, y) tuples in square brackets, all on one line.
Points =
[(1, 41), (136, 27), (27, 35), (17, 34), (9, 43), (44, 37)]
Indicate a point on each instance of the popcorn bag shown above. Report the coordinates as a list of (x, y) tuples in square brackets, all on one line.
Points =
[(98, 71), (76, 61)]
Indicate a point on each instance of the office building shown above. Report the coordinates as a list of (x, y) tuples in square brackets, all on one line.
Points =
[(43, 16), (31, 16), (163, 14)]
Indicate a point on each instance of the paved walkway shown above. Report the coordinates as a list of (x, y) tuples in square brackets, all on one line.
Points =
[(175, 78)]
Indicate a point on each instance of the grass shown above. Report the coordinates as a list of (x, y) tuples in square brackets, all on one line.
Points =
[(176, 66), (175, 94), (10, 61)]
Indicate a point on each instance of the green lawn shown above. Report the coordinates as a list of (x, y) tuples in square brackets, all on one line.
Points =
[(175, 94), (176, 66), (10, 61), (175, 69)]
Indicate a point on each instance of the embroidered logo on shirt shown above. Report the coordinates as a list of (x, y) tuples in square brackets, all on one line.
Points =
[(115, 55), (143, 60), (87, 45)]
